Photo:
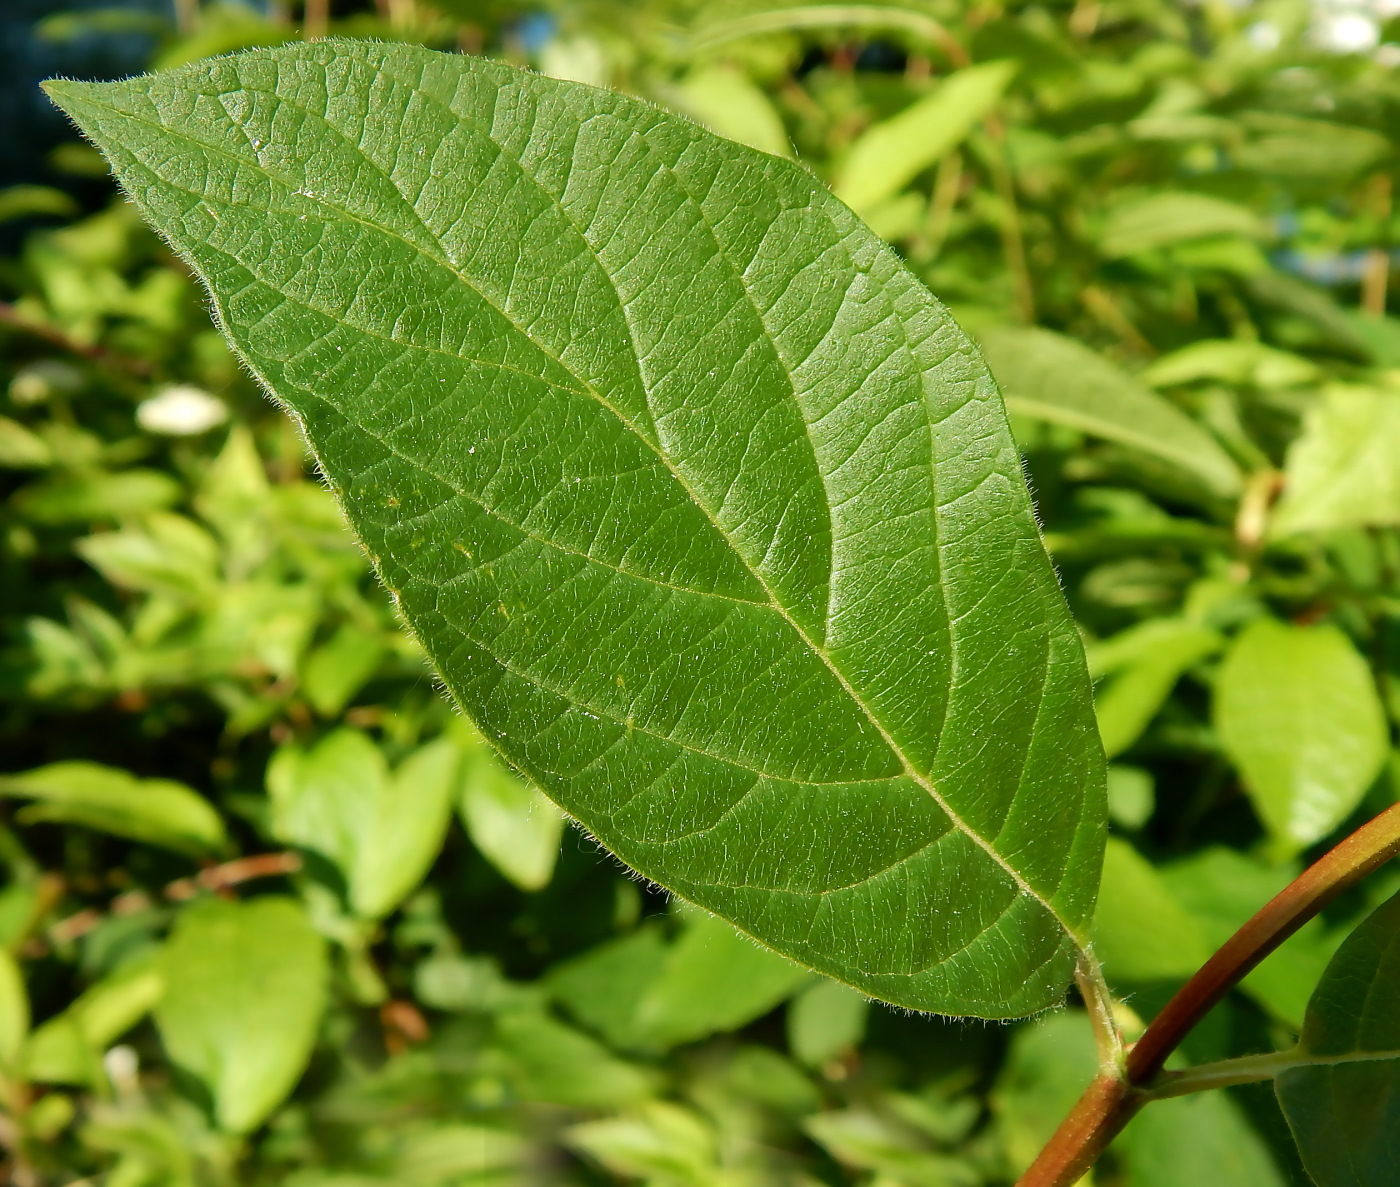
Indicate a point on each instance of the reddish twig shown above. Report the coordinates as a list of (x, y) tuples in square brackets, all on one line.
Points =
[(211, 878), (12, 317), (1112, 1099)]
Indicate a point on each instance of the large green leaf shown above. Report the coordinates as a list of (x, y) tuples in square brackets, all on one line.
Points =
[(244, 990), (706, 511), (1054, 378), (1298, 713), (1342, 1100)]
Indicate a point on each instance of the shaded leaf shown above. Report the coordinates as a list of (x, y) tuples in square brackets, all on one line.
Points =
[(1165, 219), (1343, 1101), (1191, 1140), (635, 469), (244, 990), (889, 155), (155, 811), (1298, 713), (1051, 377)]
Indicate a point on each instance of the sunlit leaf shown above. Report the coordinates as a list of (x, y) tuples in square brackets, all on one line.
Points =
[(14, 1011), (155, 811), (245, 985), (1165, 219), (381, 828), (1343, 1101), (726, 100), (889, 155), (516, 827), (825, 1020), (1141, 932), (1342, 471), (727, 550), (1298, 713)]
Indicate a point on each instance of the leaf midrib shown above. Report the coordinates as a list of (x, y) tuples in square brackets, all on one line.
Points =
[(910, 771)]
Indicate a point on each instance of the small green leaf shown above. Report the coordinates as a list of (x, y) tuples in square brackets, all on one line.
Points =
[(1341, 470), (1298, 713), (514, 825), (863, 1138), (549, 1062), (1167, 219), (338, 669), (381, 829), (1132, 795), (67, 1048), (641, 993), (154, 811), (661, 1142), (169, 554), (1232, 361), (14, 1012), (1054, 378), (705, 510), (889, 155), (1343, 1103), (1147, 661), (245, 987), (1141, 932), (725, 99), (21, 449), (824, 1021)]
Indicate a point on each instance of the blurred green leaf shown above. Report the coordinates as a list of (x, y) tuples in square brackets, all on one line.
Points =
[(684, 579), (1298, 713), (1165, 219), (552, 1063), (724, 100), (67, 1048), (96, 498), (1143, 665), (24, 201), (245, 985), (1343, 1101), (1048, 1066), (1231, 361), (861, 1138), (515, 826), (14, 1013), (167, 554), (661, 1143), (1054, 378), (339, 668), (1342, 470), (1191, 1140), (824, 1021), (381, 830), (889, 155), (21, 449), (1132, 795), (155, 811), (1141, 932)]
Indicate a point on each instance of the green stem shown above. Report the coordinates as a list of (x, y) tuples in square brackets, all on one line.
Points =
[(1250, 1069), (1115, 1096)]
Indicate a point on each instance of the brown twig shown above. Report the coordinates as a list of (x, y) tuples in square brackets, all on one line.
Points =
[(12, 317), (212, 878), (1113, 1098)]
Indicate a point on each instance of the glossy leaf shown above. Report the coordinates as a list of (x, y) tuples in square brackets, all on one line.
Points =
[(245, 985), (1054, 378), (1299, 715), (1342, 471), (156, 811), (890, 154), (1343, 1100), (382, 829), (704, 508)]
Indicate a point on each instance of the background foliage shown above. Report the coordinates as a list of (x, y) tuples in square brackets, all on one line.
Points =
[(271, 915)]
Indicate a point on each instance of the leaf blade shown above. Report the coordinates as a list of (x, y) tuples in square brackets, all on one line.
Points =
[(758, 488)]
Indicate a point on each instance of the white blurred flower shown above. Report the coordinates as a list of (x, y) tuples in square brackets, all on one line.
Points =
[(181, 411), (1264, 35), (1349, 32)]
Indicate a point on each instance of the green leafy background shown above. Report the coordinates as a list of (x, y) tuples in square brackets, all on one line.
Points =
[(272, 916)]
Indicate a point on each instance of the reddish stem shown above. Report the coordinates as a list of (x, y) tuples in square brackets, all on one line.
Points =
[(1111, 1100)]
